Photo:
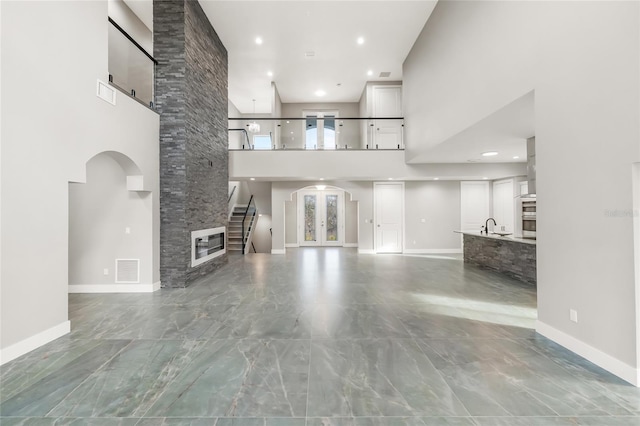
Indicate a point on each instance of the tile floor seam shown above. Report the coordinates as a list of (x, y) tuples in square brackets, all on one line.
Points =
[(443, 379), (90, 375), (306, 409)]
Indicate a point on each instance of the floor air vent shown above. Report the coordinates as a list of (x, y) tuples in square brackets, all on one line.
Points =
[(128, 271)]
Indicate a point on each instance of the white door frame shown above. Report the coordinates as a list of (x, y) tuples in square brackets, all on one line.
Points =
[(375, 216), (321, 240)]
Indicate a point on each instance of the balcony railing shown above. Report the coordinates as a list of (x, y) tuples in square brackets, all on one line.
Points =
[(131, 67), (328, 133)]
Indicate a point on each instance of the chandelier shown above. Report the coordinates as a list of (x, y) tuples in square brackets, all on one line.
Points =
[(253, 127)]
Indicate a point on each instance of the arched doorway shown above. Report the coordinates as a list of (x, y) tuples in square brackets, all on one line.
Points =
[(321, 215)]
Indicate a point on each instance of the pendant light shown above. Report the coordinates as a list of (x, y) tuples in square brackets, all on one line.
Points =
[(253, 127)]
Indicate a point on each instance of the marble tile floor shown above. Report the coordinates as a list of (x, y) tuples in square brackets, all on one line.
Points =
[(316, 337)]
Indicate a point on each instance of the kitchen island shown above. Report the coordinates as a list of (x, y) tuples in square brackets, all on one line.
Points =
[(515, 257)]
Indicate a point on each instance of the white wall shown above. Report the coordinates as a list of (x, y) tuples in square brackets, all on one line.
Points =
[(261, 235), (129, 21), (581, 58), (437, 203), (355, 165), (291, 221), (350, 221), (99, 213), (53, 123)]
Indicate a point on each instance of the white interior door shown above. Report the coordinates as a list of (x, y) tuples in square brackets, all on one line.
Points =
[(321, 218), (474, 205), (387, 102), (389, 216)]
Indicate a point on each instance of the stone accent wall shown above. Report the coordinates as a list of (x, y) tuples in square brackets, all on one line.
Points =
[(518, 260), (191, 97)]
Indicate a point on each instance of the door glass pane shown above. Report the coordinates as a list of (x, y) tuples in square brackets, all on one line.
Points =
[(329, 132), (332, 217), (310, 218), (311, 136)]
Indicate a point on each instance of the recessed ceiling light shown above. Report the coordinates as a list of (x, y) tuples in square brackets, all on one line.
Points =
[(489, 153), (390, 178), (369, 73), (360, 40), (258, 40), (515, 157), (288, 121), (436, 178), (252, 178), (485, 178), (320, 92), (269, 73), (321, 178)]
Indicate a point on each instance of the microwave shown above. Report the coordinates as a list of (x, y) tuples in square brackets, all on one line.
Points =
[(528, 217)]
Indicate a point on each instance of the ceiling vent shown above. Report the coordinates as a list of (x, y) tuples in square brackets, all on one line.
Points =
[(128, 271), (385, 74), (309, 54)]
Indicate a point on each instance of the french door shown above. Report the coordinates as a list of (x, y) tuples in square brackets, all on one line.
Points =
[(320, 218), (320, 130)]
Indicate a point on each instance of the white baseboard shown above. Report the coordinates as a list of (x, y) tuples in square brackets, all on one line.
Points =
[(350, 245), (34, 342), (366, 251), (278, 251), (114, 288), (292, 245), (601, 359), (432, 251)]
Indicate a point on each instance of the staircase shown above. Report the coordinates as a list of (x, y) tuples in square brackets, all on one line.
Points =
[(234, 244), (235, 230)]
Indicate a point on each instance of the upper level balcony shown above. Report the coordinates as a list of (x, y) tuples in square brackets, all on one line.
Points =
[(335, 148), (324, 131)]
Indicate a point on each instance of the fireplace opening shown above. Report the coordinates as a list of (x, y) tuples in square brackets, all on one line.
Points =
[(207, 244)]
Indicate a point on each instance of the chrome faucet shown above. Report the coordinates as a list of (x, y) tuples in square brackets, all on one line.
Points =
[(486, 225)]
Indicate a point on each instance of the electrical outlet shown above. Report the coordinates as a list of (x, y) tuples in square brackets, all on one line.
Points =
[(573, 315), (106, 271), (127, 230)]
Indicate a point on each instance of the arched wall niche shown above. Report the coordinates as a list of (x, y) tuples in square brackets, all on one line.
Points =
[(110, 219)]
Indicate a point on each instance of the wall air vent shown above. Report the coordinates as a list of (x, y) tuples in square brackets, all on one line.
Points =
[(309, 54), (106, 92), (128, 271), (384, 74)]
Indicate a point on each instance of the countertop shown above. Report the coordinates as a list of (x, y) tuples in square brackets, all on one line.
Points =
[(498, 237)]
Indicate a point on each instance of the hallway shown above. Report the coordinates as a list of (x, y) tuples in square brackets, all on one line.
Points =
[(316, 337)]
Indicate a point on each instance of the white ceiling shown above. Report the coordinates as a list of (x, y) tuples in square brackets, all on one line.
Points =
[(289, 29), (505, 131), (328, 28)]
